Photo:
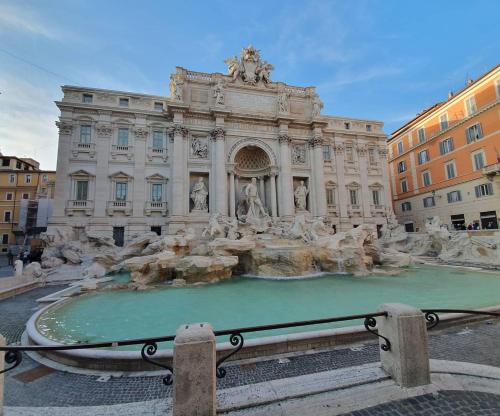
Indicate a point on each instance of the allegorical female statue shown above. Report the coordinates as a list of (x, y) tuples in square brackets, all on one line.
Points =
[(300, 195), (199, 195)]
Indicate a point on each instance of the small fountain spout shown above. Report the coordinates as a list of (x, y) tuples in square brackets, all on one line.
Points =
[(340, 265)]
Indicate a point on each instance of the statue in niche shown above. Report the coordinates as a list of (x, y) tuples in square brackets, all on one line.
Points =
[(219, 92), (300, 195), (317, 106), (255, 207), (298, 154), (199, 148), (199, 195), (283, 106), (176, 84)]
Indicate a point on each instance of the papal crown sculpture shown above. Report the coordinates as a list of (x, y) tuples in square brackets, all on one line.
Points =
[(250, 68)]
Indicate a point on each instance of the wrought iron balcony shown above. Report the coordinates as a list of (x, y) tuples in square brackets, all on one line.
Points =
[(155, 206), (119, 206), (75, 205)]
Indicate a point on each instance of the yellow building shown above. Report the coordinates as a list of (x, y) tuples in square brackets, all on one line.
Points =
[(26, 194), (446, 161)]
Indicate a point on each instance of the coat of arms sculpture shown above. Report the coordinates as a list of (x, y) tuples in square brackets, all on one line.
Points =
[(249, 67)]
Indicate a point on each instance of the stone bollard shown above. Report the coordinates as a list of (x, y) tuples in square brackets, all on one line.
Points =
[(407, 362), (18, 268), (194, 371), (2, 376)]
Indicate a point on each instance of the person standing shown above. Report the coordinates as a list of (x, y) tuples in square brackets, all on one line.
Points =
[(10, 258)]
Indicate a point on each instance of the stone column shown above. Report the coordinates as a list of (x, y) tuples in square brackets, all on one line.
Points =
[(262, 190), (139, 186), (232, 196), (342, 191), (366, 197), (287, 208), (407, 362), (104, 138), (318, 174), (385, 180), (274, 211), (62, 179), (219, 135), (179, 133), (194, 371)]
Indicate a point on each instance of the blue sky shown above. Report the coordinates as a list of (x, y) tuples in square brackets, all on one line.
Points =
[(384, 60)]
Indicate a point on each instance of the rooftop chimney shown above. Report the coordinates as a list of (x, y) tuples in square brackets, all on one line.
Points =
[(450, 94)]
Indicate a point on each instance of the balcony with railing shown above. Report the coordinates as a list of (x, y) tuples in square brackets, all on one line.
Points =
[(156, 206), (124, 207), (156, 153), (78, 206), (377, 210), (78, 149), (122, 150), (354, 210), (492, 170)]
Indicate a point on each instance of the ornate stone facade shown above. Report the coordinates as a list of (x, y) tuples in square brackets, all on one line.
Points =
[(156, 162)]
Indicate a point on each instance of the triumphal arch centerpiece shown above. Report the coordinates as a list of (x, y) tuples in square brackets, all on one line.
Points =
[(238, 145)]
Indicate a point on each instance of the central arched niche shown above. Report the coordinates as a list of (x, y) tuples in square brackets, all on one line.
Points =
[(251, 159)]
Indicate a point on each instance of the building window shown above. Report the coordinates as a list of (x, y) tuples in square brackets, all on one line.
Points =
[(474, 133), (27, 178), (26, 196), (450, 170), (368, 127), (123, 102), (400, 148), (353, 194), (404, 185), (406, 206), (443, 121), (402, 166), (485, 189), (18, 165), (376, 197), (8, 196), (85, 134), (158, 106), (87, 98), (45, 178), (122, 136), (121, 191), (5, 238), (454, 196), (446, 146), (421, 135), (7, 216), (12, 178), (347, 125), (327, 153), (478, 160), (330, 196), (426, 177), (82, 189), (423, 156), (157, 140), (156, 192), (470, 105), (429, 202), (371, 157), (6, 162), (349, 154)]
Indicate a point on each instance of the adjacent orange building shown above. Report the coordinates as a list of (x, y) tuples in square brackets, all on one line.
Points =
[(446, 161)]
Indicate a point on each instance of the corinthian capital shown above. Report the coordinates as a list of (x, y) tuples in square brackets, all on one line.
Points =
[(64, 127), (284, 138), (317, 140), (177, 129), (141, 133), (218, 133)]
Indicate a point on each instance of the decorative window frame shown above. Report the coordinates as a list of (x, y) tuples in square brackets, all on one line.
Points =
[(82, 175), (156, 206), (117, 150), (332, 186)]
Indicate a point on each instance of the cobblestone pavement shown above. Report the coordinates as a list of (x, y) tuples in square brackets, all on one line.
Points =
[(34, 385), (445, 403)]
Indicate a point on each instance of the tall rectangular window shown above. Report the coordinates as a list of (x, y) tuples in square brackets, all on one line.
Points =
[(454, 196), (423, 156), (330, 196), (12, 178), (446, 146), (27, 178), (87, 98), (400, 147), (368, 127), (372, 157), (349, 154), (478, 160), (426, 177), (8, 196), (327, 153), (485, 189), (122, 136), (402, 166), (5, 238), (85, 134), (406, 206), (421, 135), (121, 191), (353, 194), (429, 202), (450, 170), (7, 216), (376, 197), (158, 106), (123, 102), (470, 104), (474, 133), (443, 121), (156, 192), (82, 188), (157, 140), (404, 185)]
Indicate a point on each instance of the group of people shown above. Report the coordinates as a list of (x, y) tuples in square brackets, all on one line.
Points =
[(26, 256)]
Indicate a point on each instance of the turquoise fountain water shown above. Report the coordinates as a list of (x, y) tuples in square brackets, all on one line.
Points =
[(122, 314)]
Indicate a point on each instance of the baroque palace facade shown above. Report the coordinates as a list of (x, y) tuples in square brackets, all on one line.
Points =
[(446, 161), (129, 162)]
